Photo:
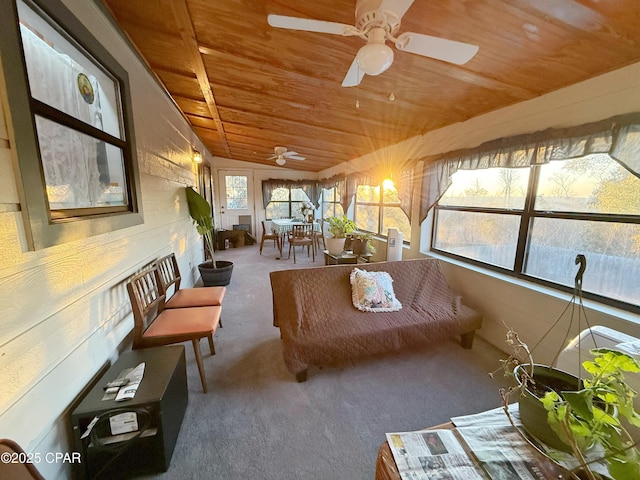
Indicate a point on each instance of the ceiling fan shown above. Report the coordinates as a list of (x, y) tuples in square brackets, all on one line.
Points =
[(281, 155), (378, 21)]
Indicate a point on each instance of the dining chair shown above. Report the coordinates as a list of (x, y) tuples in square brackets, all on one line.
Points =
[(155, 325), (20, 469), (267, 234), (302, 234), (185, 297)]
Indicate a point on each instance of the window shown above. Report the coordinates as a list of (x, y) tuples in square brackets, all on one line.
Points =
[(70, 108), (236, 192), (377, 208), (532, 222), (286, 203), (331, 206)]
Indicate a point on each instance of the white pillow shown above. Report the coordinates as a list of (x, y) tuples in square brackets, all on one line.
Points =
[(373, 291)]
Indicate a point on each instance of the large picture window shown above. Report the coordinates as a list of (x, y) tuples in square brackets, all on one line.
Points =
[(70, 108), (533, 221), (287, 203)]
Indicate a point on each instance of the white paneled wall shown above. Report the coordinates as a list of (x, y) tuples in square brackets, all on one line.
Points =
[(526, 308), (65, 310)]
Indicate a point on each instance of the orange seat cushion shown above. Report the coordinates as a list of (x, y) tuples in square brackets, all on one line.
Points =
[(185, 321), (196, 297)]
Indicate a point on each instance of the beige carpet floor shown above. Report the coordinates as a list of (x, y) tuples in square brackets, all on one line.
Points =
[(257, 422)]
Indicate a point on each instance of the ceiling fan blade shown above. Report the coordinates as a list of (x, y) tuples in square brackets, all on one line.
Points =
[(354, 75), (436, 47), (290, 153), (308, 25), (399, 7), (295, 157)]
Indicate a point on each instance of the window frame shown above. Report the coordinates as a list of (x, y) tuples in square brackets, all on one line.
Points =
[(527, 215), (290, 202), (44, 227), (381, 206), (331, 204)]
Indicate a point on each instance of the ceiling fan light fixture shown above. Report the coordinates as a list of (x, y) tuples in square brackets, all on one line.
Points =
[(281, 161), (374, 58)]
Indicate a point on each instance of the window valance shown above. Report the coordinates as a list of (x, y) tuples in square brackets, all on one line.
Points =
[(345, 188), (309, 187), (402, 179), (619, 137)]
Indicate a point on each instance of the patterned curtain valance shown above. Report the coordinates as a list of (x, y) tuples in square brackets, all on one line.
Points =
[(341, 184), (309, 187), (619, 137)]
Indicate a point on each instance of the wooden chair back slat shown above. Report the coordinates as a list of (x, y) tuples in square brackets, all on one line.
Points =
[(147, 301), (169, 273), (302, 231)]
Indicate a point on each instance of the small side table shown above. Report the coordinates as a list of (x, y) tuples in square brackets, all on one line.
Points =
[(345, 257), (159, 405)]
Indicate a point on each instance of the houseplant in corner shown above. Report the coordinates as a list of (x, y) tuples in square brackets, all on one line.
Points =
[(213, 273), (361, 242), (590, 418), (339, 227)]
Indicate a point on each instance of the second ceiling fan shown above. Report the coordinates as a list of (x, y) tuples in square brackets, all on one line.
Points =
[(281, 155), (378, 21)]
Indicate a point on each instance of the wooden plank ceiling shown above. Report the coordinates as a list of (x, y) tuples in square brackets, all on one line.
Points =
[(247, 87)]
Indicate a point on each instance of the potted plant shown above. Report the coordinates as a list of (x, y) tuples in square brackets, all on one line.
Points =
[(339, 227), (213, 273), (591, 418), (361, 242)]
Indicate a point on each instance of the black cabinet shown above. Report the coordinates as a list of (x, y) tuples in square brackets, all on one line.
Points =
[(156, 411)]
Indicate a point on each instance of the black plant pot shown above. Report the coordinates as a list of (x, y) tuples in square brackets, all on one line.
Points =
[(533, 415), (218, 276)]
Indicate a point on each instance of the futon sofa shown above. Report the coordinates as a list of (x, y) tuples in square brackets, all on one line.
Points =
[(319, 324)]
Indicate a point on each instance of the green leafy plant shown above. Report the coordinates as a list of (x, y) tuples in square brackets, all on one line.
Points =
[(594, 415), (593, 420), (341, 226), (364, 236), (367, 239), (200, 211)]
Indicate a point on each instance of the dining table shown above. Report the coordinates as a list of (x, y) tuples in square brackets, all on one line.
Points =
[(282, 226)]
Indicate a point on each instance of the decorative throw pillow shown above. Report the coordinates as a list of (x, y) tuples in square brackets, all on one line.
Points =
[(373, 291)]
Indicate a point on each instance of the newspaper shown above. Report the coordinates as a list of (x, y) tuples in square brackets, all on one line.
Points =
[(488, 447), (504, 454), (432, 455), (493, 417), (497, 417)]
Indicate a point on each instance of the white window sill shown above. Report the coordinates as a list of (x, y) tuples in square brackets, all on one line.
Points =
[(589, 304)]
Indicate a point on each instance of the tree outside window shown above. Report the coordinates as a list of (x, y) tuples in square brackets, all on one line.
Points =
[(286, 203), (377, 208), (534, 221), (331, 203)]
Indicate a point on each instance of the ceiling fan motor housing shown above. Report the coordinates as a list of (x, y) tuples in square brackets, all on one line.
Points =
[(368, 17)]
